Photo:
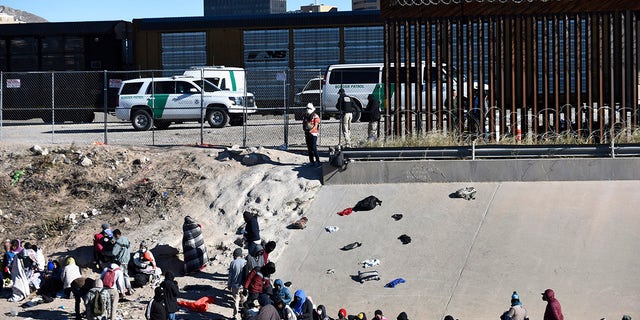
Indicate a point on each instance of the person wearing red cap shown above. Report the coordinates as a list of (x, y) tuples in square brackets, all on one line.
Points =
[(553, 310), (342, 314)]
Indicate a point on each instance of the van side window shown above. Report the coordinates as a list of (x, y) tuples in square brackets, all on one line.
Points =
[(312, 85), (413, 76), (162, 87), (183, 87), (355, 75), (215, 81), (131, 88)]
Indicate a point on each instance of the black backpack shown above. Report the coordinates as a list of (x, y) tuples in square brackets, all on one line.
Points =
[(367, 204), (140, 280)]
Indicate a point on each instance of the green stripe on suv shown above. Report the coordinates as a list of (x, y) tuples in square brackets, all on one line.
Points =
[(159, 105)]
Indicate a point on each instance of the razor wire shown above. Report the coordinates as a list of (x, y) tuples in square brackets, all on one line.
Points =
[(408, 3)]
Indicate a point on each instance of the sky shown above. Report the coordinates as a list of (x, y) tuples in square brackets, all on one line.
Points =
[(95, 10)]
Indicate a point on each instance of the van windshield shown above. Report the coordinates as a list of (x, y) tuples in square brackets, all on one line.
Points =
[(208, 86)]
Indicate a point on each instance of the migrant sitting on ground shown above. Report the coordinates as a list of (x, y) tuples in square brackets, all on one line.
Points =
[(321, 313), (193, 246), (377, 315), (282, 292), (145, 262), (302, 306), (342, 314), (52, 280), (267, 310), (70, 272), (516, 311)]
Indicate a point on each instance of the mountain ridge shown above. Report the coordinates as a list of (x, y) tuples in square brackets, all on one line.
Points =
[(22, 16)]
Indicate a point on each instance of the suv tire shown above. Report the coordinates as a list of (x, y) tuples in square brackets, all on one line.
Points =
[(217, 118), (141, 120)]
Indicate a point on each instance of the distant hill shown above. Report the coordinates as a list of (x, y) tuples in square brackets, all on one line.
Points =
[(22, 16)]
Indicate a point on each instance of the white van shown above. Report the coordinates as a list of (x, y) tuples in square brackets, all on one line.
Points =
[(225, 78), (360, 80)]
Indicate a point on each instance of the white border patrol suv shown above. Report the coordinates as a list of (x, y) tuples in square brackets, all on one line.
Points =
[(179, 99)]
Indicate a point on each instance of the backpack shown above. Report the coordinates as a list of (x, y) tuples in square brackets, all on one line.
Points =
[(97, 305), (107, 246), (337, 160), (109, 278), (367, 204), (140, 280)]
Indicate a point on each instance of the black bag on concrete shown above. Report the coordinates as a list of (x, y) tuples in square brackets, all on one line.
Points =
[(368, 203)]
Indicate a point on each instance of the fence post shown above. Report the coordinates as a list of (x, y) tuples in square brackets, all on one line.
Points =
[(53, 105), (244, 112), (105, 101), (286, 108), (202, 111), (1, 104)]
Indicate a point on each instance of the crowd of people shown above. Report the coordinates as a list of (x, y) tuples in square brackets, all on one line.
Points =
[(255, 296), (24, 271)]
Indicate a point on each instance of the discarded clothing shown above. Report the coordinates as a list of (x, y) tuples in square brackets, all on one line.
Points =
[(345, 212), (368, 276), (370, 263), (396, 216), (331, 229), (300, 224), (351, 246), (368, 203), (200, 305), (394, 283), (467, 193), (405, 239)]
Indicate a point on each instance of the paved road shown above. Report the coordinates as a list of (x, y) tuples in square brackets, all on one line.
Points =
[(260, 131), (466, 257)]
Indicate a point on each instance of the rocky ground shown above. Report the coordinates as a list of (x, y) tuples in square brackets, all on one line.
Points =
[(58, 196)]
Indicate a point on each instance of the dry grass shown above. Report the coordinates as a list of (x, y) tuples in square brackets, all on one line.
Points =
[(436, 138)]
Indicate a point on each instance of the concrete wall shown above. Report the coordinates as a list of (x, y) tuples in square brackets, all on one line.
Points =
[(376, 172)]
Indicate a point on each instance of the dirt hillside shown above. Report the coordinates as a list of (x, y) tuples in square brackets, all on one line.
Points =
[(58, 196)]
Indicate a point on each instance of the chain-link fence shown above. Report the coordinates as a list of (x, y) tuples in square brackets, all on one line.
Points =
[(80, 107)]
